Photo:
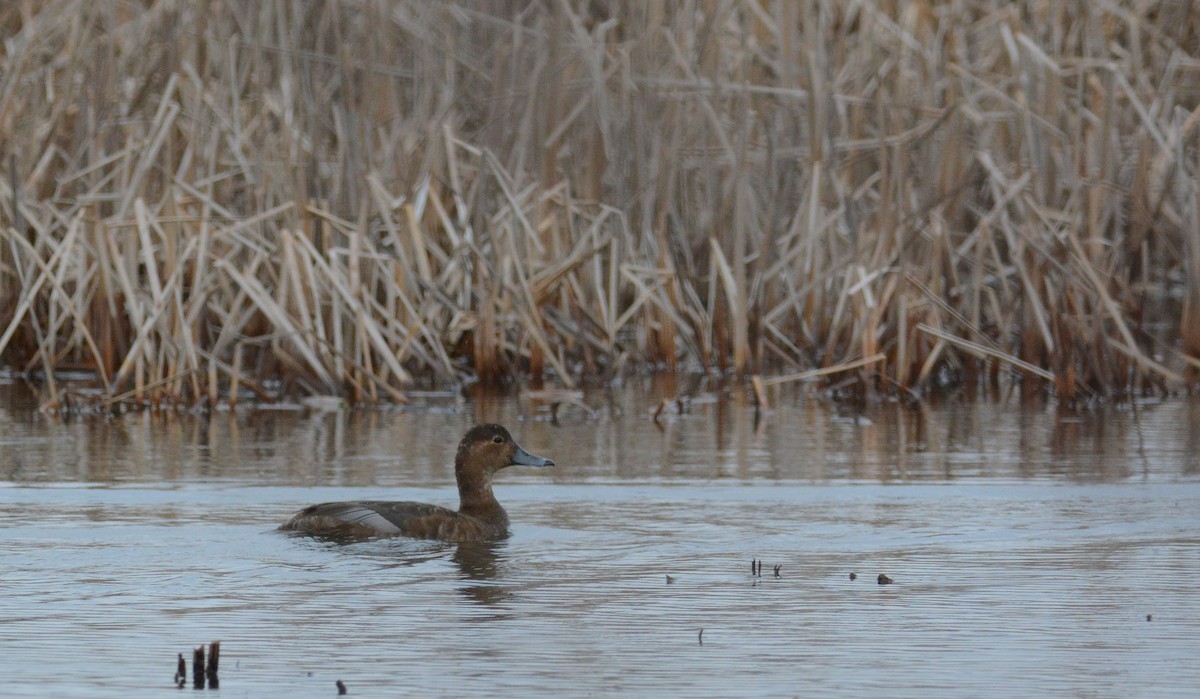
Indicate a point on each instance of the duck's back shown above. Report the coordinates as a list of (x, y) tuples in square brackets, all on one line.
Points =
[(380, 518)]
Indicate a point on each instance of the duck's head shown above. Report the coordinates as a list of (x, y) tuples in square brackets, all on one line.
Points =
[(486, 449)]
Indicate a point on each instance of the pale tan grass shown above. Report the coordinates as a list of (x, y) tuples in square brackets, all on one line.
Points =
[(353, 198)]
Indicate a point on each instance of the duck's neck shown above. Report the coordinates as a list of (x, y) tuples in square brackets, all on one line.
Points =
[(476, 499)]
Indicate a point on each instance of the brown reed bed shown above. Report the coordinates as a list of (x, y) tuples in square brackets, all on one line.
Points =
[(350, 197)]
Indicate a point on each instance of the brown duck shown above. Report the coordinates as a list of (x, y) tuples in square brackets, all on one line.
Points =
[(483, 451)]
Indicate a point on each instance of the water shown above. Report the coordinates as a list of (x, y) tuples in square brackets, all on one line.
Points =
[(1028, 550)]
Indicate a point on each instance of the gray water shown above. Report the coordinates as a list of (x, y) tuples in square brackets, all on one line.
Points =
[(1034, 553)]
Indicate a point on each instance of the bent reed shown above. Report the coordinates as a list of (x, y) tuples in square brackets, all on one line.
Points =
[(348, 198)]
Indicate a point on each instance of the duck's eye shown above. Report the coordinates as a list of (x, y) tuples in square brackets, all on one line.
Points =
[(498, 439)]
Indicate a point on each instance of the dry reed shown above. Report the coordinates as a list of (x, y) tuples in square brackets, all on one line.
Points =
[(349, 197)]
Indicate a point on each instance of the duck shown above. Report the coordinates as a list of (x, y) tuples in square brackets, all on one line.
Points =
[(484, 450)]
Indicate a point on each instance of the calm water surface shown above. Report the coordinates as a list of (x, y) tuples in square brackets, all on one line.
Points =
[(1028, 550)]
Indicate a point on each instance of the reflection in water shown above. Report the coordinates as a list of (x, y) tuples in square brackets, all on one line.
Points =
[(718, 435), (478, 561)]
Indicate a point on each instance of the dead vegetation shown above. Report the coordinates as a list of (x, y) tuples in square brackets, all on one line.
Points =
[(352, 196)]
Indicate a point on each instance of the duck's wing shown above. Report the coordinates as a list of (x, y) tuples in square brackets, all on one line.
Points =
[(368, 518)]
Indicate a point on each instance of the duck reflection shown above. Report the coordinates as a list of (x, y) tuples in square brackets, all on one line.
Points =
[(478, 563)]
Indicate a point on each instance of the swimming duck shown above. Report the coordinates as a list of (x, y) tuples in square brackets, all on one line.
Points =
[(484, 450)]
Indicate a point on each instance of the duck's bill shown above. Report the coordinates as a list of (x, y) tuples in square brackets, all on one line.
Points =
[(524, 458)]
